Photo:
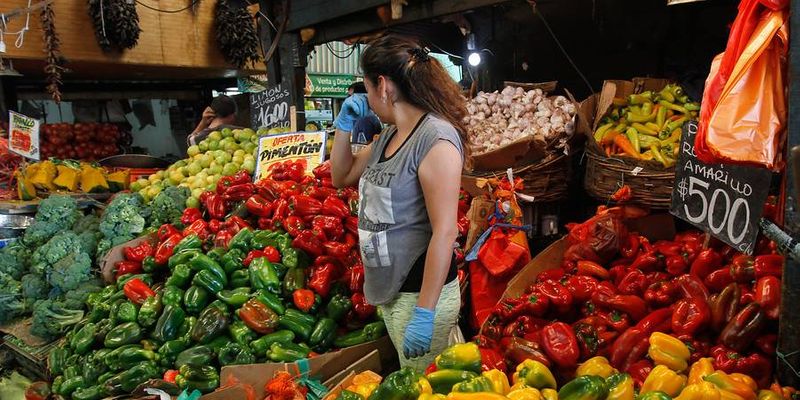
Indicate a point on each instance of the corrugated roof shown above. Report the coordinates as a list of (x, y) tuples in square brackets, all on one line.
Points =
[(335, 58)]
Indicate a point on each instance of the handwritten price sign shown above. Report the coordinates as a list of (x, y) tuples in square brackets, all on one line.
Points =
[(725, 200), (270, 108)]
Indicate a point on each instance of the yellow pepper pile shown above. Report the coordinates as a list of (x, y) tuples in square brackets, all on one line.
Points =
[(647, 126), (68, 176)]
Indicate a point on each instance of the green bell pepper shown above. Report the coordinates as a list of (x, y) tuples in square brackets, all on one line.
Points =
[(169, 323), (442, 380), (112, 358), (234, 297), (181, 276), (196, 356), (263, 276), (212, 323), (148, 344), (169, 350), (216, 254), (55, 387), (73, 369), (149, 311), (191, 241), (464, 356), (203, 378), (100, 297), (92, 370), (182, 257), (323, 335), (272, 301), (656, 395), (95, 392), (186, 327), (195, 299), (127, 312), (233, 261), (56, 360), (295, 313), (131, 356), (172, 296), (209, 281), (201, 262), (239, 278), (263, 239), (99, 311), (338, 307), (123, 334), (290, 258), (240, 333), (83, 339), (586, 387), (235, 354), (241, 240), (128, 380), (71, 384), (287, 352), (295, 279), (400, 385), (261, 345), (149, 264), (474, 385), (300, 326), (219, 342), (370, 332), (348, 395), (280, 270)]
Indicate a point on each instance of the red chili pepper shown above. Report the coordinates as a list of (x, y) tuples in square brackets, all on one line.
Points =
[(137, 291), (215, 206), (690, 316), (281, 209), (333, 206), (755, 365), (239, 192), (560, 344), (691, 286), (226, 182), (618, 271), (698, 346), (166, 248), (632, 305), (560, 298), (362, 309), (165, 231), (351, 240), (744, 328), (768, 295), (309, 243), (676, 265), (138, 253), (303, 299), (322, 277), (170, 375), (586, 334), (581, 287), (706, 262), (351, 224), (252, 255), (633, 282), (190, 215), (668, 248), (305, 205), (523, 325), (630, 248), (661, 294), (591, 268), (517, 350), (534, 304), (198, 227), (222, 238), (356, 283), (258, 206), (718, 279), (648, 261), (639, 371), (214, 225), (657, 276), (267, 224), (657, 320), (127, 267)]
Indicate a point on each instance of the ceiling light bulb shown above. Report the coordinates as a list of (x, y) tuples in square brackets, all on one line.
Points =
[(474, 59)]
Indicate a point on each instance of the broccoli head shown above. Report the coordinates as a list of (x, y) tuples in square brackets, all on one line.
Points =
[(34, 287), (51, 318), (77, 298), (87, 223), (70, 272), (12, 304), (89, 242), (168, 205), (55, 214), (58, 247), (123, 217), (11, 265)]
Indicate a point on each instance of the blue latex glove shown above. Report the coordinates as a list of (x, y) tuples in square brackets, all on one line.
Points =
[(353, 108), (419, 332)]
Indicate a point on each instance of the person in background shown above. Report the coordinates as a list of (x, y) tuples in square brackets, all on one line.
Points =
[(356, 87), (355, 106), (219, 115), (364, 131), (409, 180)]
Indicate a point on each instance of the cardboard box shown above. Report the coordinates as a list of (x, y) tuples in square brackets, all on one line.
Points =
[(322, 367), (478, 215), (370, 362), (116, 254)]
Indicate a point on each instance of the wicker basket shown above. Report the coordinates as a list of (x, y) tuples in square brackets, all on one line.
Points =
[(545, 180), (650, 183)]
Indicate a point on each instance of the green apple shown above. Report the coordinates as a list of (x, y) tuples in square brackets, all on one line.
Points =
[(249, 165), (192, 202), (193, 150), (215, 135), (227, 132), (230, 169), (213, 145), (203, 146)]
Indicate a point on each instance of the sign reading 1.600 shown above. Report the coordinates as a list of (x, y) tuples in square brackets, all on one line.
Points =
[(725, 200)]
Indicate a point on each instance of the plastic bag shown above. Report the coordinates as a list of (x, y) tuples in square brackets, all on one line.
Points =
[(484, 292), (504, 251), (744, 107), (599, 238)]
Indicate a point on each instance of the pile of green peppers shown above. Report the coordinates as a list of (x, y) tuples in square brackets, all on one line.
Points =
[(210, 311)]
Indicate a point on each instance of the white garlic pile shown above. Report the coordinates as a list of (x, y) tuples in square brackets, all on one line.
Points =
[(497, 119)]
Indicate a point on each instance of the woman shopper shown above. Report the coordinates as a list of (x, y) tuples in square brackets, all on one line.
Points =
[(409, 180)]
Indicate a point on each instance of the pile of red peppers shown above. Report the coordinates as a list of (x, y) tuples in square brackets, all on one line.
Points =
[(722, 303)]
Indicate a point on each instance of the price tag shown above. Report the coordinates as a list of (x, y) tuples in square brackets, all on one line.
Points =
[(723, 199), (305, 148), (23, 135), (270, 108)]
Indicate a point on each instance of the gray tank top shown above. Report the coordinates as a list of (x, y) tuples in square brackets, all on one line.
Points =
[(393, 225)]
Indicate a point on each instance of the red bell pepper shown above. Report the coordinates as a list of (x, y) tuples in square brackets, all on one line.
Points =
[(351, 224), (303, 299), (322, 192), (744, 328), (668, 248), (492, 359), (767, 343), (335, 207), (768, 265), (272, 254), (362, 309), (691, 286), (708, 261), (222, 238), (322, 278), (648, 261), (258, 206), (586, 335), (560, 344), (293, 225), (356, 283), (639, 371), (718, 279), (226, 182), (591, 268), (198, 227), (170, 375), (252, 255), (690, 316), (190, 215), (127, 267), (630, 347), (137, 291), (755, 365), (581, 287), (306, 241), (517, 350), (724, 306), (238, 222), (138, 253), (166, 248), (676, 264), (239, 192), (534, 304), (605, 296), (214, 225), (331, 226), (215, 206), (616, 320), (630, 247), (305, 205), (165, 231), (661, 294), (258, 316), (657, 276), (281, 209), (632, 282), (768, 295), (323, 170), (698, 346), (560, 298), (523, 326)]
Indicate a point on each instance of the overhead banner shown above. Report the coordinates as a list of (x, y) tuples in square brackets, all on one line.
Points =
[(275, 151), (23, 137), (318, 85)]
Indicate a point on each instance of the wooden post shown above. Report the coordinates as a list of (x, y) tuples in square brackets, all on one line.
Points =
[(789, 331)]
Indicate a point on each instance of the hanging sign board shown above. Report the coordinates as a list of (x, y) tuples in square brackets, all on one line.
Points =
[(328, 85), (23, 137), (306, 148), (722, 199), (270, 108)]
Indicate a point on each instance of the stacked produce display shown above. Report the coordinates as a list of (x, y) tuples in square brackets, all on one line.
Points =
[(68, 176), (81, 141)]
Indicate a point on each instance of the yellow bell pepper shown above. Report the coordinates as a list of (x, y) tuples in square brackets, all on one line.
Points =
[(364, 389), (549, 394), (519, 385), (428, 396), (525, 394), (424, 386), (499, 381), (367, 377), (700, 391), (700, 369), (620, 387), (669, 351), (768, 395), (747, 380), (664, 379), (726, 395), (725, 383), (596, 366), (475, 396), (535, 375)]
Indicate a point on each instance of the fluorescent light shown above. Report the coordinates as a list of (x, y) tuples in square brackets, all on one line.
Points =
[(474, 59)]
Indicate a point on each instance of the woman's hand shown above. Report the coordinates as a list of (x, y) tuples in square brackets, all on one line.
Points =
[(419, 333)]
